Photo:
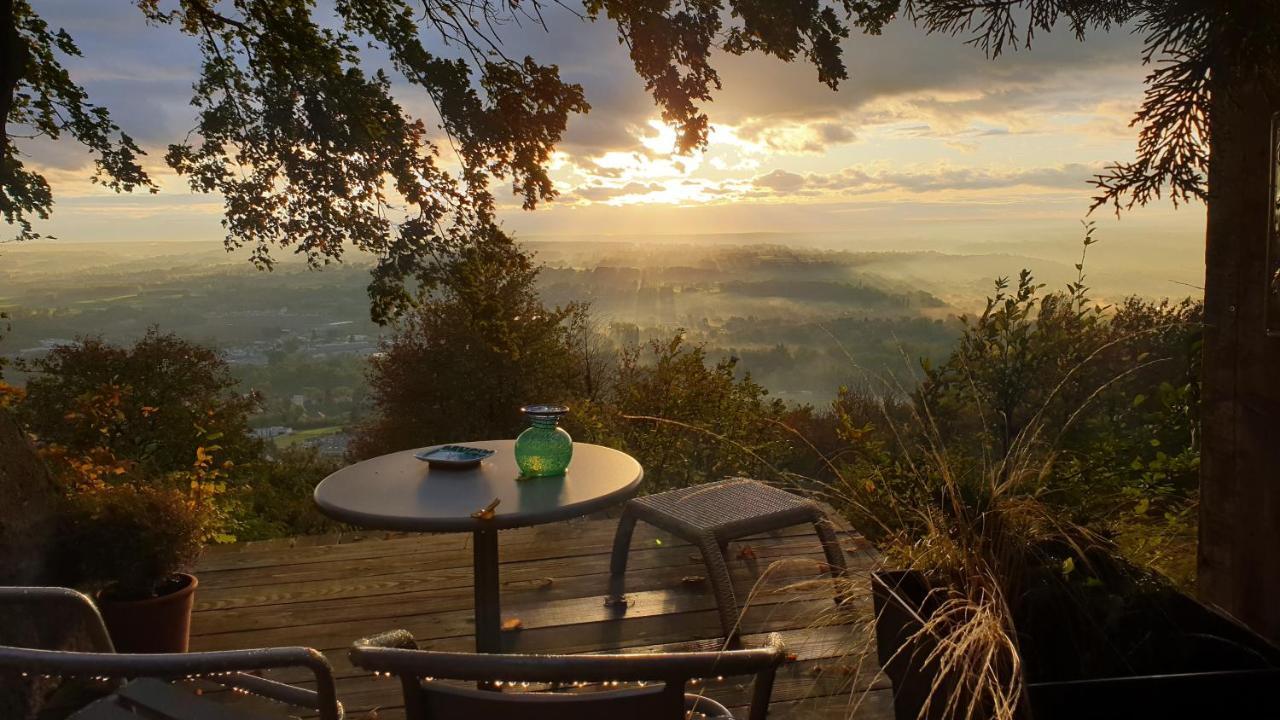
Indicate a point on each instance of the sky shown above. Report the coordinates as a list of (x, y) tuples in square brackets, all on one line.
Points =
[(927, 144)]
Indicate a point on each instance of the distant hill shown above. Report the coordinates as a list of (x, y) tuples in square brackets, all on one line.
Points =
[(800, 317)]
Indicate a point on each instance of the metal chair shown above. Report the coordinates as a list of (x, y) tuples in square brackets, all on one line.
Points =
[(58, 609), (425, 698), (712, 515)]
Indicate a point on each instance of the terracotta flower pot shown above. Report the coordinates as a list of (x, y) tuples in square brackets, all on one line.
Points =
[(155, 625)]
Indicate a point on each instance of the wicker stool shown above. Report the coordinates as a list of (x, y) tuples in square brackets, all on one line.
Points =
[(712, 515)]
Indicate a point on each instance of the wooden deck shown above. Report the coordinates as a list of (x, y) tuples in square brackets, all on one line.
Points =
[(327, 591)]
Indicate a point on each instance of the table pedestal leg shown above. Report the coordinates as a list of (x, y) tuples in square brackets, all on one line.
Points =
[(488, 611)]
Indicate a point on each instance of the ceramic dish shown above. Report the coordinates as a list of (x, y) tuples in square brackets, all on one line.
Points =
[(453, 456)]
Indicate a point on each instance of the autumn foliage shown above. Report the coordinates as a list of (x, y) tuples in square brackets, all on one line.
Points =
[(144, 443)]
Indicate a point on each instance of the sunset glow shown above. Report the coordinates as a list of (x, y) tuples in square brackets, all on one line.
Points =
[(950, 144)]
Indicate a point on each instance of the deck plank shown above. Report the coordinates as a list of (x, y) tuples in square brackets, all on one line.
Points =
[(325, 592), (534, 575)]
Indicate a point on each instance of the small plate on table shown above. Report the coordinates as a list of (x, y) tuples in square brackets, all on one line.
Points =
[(453, 457)]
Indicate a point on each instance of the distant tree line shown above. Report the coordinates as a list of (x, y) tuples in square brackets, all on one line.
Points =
[(1104, 400)]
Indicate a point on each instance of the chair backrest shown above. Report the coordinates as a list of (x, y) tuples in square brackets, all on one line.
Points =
[(658, 693), (28, 658), (437, 701), (53, 618)]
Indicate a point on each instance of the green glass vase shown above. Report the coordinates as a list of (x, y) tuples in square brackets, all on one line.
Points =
[(544, 449)]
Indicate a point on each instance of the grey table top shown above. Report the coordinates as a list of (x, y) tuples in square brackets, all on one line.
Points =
[(400, 492)]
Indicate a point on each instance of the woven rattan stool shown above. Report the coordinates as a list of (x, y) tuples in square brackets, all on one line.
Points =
[(712, 515)]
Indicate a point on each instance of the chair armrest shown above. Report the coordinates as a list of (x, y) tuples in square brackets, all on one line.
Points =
[(387, 653), (762, 688), (224, 666), (402, 639), (777, 647)]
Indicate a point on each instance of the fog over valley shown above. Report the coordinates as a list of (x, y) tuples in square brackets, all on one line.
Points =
[(803, 313)]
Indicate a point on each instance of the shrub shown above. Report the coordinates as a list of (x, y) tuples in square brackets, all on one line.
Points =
[(150, 404), (686, 421), (275, 498), (462, 364), (128, 540), (1103, 401)]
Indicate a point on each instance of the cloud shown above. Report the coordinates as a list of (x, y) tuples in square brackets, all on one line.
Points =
[(598, 193), (905, 61), (781, 181), (833, 133), (918, 115), (900, 75), (1072, 176)]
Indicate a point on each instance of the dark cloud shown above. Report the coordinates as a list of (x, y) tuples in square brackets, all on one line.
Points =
[(144, 75), (834, 133), (905, 60)]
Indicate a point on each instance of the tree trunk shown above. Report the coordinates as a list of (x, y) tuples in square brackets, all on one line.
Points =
[(1239, 552), (13, 58), (28, 503)]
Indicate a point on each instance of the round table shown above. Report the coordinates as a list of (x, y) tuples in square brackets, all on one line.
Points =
[(400, 492)]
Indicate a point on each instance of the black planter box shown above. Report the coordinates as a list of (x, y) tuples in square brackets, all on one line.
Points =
[(1237, 675)]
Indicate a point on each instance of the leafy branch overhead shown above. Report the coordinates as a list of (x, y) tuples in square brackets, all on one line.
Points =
[(41, 101), (300, 132), (1183, 41)]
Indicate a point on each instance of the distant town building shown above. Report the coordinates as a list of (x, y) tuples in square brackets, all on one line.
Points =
[(334, 446), (272, 431)]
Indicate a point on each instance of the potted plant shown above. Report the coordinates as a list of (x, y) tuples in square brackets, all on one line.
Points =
[(134, 546), (1026, 494), (1134, 653), (1003, 609)]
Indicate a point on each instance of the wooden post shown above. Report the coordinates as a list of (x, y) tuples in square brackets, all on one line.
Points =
[(1239, 552), (1273, 242)]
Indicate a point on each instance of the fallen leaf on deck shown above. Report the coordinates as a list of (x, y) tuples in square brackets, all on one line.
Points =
[(372, 715), (538, 582), (792, 657), (487, 512), (616, 600), (692, 579), (747, 553), (512, 624)]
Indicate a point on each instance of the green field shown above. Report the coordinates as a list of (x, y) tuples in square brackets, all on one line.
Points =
[(304, 435)]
